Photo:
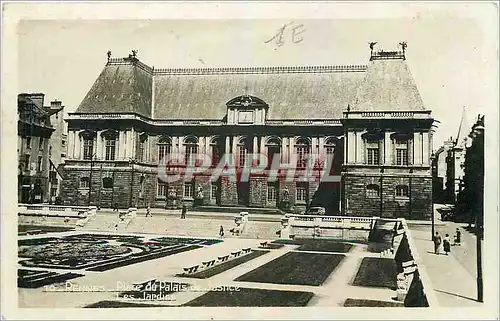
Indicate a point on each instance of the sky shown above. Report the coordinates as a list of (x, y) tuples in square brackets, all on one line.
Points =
[(449, 57)]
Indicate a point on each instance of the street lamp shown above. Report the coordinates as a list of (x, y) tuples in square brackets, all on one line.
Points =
[(433, 158), (478, 131), (131, 161), (90, 176)]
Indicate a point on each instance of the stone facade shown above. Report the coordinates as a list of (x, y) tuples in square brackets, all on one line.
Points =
[(127, 131)]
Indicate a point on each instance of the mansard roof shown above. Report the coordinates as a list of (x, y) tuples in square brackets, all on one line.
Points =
[(126, 85), (388, 86)]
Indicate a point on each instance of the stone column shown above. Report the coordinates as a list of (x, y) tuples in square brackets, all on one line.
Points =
[(360, 148), (235, 144), (78, 144), (98, 145), (417, 147), (322, 145), (71, 144), (255, 148), (351, 149), (291, 150), (283, 150), (426, 149), (202, 145), (121, 146), (228, 145), (388, 152)]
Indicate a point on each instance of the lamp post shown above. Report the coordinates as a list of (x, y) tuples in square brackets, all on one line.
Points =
[(433, 164), (131, 161), (479, 131), (90, 176)]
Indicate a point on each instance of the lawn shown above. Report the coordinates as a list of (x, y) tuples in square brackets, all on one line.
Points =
[(377, 272), (361, 303), (295, 268), (38, 278), (224, 266), (252, 298), (318, 245)]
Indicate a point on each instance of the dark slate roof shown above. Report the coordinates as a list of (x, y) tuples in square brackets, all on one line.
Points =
[(126, 85), (122, 87), (291, 93), (388, 86)]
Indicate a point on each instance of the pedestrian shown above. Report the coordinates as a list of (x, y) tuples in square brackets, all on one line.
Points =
[(446, 244), (221, 231), (183, 211), (148, 211), (458, 237), (437, 242), (115, 207)]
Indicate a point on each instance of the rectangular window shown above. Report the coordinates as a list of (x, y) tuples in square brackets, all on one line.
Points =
[(28, 142), (213, 191), (190, 157), (271, 193), (140, 152), (110, 149), (161, 189), (88, 148), (402, 191), (302, 152), (301, 193), (372, 190), (242, 155), (39, 164), (402, 156), (84, 182), (163, 152), (40, 144), (373, 156), (188, 190)]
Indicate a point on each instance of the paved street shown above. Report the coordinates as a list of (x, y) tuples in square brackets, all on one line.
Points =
[(453, 277)]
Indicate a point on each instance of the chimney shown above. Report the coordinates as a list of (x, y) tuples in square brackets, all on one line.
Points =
[(55, 104)]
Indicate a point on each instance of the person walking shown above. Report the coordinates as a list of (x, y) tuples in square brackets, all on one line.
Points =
[(221, 231), (437, 242), (458, 237), (446, 244), (148, 212), (183, 211)]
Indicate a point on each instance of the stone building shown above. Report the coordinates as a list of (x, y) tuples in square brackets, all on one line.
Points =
[(369, 118), (57, 147), (34, 132)]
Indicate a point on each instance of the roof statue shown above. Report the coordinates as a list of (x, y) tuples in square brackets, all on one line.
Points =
[(372, 45), (403, 46), (109, 54), (134, 53)]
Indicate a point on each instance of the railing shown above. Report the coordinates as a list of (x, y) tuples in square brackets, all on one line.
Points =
[(55, 210)]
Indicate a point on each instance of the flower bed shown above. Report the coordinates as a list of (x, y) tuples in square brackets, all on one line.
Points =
[(224, 266), (299, 268), (377, 272), (362, 303), (245, 297), (36, 279)]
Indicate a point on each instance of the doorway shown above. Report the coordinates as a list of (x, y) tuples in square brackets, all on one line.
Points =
[(243, 190)]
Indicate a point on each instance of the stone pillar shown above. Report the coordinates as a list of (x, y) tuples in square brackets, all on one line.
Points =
[(417, 148), (291, 150), (351, 149), (202, 145), (98, 148), (121, 145), (284, 155), (426, 149), (255, 148), (322, 145), (235, 145), (359, 148), (78, 146), (388, 152), (228, 145), (71, 144)]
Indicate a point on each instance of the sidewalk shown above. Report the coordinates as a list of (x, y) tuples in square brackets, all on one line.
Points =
[(453, 284)]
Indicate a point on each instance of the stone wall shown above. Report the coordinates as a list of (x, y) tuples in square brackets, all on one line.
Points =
[(418, 204)]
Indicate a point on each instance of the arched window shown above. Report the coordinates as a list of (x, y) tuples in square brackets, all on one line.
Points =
[(330, 146), (164, 149), (273, 145), (242, 151), (402, 190), (110, 143), (215, 146), (191, 148), (372, 190), (302, 149), (141, 153)]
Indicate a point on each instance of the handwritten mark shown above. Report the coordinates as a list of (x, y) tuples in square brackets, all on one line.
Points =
[(279, 37)]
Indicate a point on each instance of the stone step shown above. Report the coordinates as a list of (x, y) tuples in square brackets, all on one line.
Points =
[(237, 209)]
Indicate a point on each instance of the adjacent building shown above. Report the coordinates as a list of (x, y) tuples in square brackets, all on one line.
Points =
[(39, 138), (369, 118)]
